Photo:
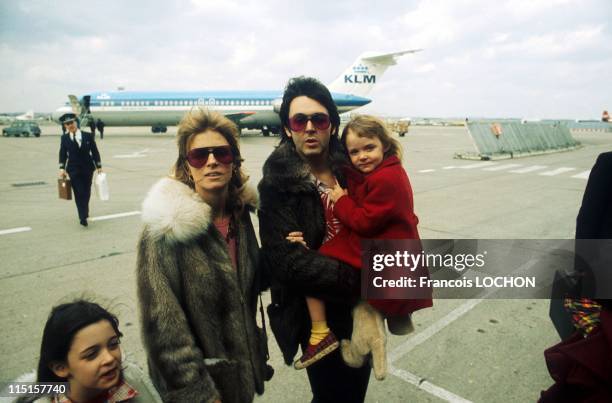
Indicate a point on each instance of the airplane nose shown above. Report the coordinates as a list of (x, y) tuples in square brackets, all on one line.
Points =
[(59, 112)]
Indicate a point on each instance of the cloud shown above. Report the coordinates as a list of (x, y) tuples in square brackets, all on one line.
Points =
[(526, 9), (424, 68), (431, 24), (551, 44), (480, 58)]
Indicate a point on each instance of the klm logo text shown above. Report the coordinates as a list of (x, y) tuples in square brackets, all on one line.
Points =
[(356, 79)]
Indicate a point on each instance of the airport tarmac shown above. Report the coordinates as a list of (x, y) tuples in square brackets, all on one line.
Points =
[(462, 350)]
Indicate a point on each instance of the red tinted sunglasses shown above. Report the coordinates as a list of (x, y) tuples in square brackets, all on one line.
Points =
[(298, 122), (198, 157)]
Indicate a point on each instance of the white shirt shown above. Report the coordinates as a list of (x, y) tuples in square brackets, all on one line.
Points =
[(78, 136)]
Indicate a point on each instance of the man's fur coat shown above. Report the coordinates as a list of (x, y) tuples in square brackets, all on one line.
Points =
[(289, 201), (197, 311)]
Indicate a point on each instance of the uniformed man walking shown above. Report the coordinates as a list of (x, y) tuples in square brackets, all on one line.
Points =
[(79, 157)]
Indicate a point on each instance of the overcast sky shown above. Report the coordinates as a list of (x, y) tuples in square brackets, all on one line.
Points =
[(523, 58)]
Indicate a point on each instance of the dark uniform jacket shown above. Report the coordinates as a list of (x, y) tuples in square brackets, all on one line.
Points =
[(289, 201), (83, 159)]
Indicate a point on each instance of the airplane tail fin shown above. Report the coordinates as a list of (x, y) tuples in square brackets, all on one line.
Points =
[(75, 104), (29, 115), (362, 75), (81, 108)]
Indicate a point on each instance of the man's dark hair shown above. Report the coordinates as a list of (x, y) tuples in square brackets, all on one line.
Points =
[(312, 88)]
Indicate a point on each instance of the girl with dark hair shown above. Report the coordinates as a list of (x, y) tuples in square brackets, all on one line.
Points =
[(81, 346)]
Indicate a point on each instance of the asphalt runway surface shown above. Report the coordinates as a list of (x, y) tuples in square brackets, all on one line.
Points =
[(479, 350)]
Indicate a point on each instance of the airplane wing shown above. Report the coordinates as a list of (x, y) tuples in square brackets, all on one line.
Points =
[(237, 116)]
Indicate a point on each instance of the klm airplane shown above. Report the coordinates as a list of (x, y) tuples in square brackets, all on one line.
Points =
[(249, 109)]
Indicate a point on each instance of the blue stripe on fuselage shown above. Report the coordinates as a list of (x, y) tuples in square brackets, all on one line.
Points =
[(116, 97)]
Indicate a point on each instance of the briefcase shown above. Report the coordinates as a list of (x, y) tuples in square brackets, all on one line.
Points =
[(64, 189)]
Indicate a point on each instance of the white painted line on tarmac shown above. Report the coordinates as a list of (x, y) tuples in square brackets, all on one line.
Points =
[(419, 338), (422, 336), (129, 156), (135, 154), (427, 386), (502, 167), (110, 217), (15, 230), (478, 165), (557, 171), (583, 175), (427, 170), (450, 167), (407, 346), (529, 169)]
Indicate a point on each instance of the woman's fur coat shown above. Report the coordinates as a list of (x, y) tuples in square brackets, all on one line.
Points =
[(197, 311)]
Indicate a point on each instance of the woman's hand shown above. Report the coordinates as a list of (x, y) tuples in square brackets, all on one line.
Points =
[(62, 174), (337, 192), (297, 236)]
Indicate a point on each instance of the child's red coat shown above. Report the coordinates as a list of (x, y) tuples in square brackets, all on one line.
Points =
[(380, 206)]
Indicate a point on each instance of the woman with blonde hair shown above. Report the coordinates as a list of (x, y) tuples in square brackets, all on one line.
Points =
[(198, 276)]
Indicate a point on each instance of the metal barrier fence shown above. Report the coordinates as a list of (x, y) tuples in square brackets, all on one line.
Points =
[(589, 125), (512, 139)]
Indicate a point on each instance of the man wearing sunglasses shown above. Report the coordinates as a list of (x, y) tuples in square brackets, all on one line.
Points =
[(293, 199), (79, 157)]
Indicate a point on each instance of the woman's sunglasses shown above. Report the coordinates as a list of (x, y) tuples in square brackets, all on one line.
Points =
[(198, 157), (298, 122)]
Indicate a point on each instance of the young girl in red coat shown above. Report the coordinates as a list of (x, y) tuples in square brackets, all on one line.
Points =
[(378, 205)]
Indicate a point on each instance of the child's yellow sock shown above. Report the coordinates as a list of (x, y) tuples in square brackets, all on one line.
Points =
[(318, 332)]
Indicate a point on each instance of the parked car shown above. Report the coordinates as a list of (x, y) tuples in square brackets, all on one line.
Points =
[(20, 128)]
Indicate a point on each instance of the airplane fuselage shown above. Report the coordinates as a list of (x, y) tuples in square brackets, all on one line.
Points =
[(250, 109)]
